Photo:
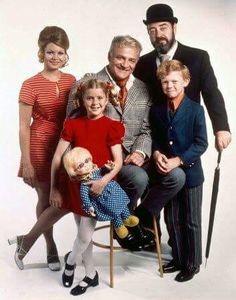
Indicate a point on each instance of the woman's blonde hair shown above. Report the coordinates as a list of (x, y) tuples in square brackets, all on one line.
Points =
[(168, 66), (55, 35)]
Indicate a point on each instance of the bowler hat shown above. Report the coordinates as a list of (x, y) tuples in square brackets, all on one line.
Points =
[(159, 13)]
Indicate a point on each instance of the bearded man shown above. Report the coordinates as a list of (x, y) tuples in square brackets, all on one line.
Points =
[(161, 27)]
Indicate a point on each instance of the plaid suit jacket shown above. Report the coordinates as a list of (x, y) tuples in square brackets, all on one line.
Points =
[(135, 115)]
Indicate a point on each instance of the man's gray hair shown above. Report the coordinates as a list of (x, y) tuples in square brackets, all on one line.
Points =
[(124, 41)]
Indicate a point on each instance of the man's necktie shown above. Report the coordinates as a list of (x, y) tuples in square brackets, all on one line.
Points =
[(122, 96), (164, 57)]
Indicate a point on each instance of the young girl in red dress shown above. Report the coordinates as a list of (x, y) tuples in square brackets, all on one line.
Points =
[(102, 136), (42, 108)]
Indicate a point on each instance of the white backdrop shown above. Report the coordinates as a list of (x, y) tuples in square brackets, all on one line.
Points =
[(90, 26)]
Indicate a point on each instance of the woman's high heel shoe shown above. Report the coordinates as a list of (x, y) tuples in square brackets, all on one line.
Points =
[(53, 262), (20, 251), (67, 280)]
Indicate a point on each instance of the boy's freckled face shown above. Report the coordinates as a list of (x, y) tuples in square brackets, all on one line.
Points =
[(174, 84)]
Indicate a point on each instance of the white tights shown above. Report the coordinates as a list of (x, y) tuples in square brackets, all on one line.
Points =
[(82, 250)]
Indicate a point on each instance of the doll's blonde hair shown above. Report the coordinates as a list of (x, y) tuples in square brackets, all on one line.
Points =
[(71, 157)]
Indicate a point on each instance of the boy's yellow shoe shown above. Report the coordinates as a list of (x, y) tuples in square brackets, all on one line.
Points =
[(131, 221), (122, 231)]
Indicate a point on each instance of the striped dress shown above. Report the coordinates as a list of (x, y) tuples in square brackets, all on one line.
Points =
[(48, 114)]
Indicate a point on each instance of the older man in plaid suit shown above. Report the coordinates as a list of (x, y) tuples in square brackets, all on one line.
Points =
[(133, 112)]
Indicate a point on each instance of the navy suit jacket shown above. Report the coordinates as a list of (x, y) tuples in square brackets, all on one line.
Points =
[(203, 82), (184, 135)]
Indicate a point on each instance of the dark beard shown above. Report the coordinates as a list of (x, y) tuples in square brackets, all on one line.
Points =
[(164, 48)]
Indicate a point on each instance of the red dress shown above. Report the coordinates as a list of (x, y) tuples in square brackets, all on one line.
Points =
[(97, 136), (48, 115)]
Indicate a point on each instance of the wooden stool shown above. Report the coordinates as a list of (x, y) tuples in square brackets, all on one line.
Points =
[(112, 248), (158, 247)]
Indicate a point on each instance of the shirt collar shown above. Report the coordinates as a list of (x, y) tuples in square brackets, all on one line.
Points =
[(172, 50), (128, 84), (175, 103)]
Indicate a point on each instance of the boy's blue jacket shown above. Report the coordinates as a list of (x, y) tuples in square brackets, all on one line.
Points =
[(184, 135)]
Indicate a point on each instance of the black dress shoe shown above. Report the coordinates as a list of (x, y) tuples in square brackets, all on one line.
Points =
[(79, 290), (66, 279), (145, 237), (130, 242), (186, 274), (171, 267)]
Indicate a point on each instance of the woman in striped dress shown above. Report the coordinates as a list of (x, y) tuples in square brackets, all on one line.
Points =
[(42, 106)]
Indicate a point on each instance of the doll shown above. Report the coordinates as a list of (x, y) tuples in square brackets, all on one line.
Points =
[(111, 205)]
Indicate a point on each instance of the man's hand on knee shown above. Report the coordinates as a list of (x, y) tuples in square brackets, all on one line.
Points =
[(135, 158)]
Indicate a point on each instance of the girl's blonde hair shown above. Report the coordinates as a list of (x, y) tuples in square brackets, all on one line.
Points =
[(94, 83)]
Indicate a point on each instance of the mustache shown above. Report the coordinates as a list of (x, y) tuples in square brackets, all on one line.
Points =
[(161, 45), (159, 40)]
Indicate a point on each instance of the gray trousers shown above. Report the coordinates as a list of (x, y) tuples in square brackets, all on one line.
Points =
[(163, 190), (183, 220), (134, 181)]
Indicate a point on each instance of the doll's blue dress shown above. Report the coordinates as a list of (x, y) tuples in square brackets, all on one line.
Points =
[(111, 205)]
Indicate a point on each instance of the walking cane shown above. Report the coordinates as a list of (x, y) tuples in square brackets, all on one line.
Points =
[(214, 194)]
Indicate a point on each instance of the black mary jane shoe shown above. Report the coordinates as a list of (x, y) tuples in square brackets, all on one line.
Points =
[(79, 290), (66, 279), (186, 274)]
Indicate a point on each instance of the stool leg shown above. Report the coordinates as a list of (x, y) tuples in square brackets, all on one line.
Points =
[(111, 257), (158, 248)]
